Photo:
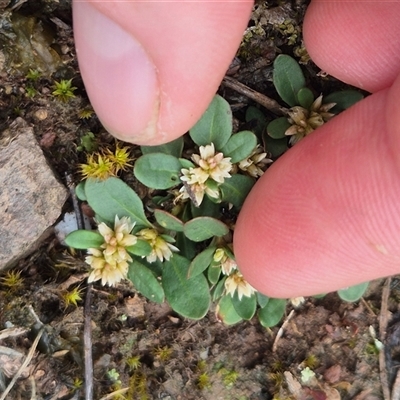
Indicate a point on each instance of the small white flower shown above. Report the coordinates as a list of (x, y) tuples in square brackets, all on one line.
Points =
[(215, 165), (235, 282), (255, 163), (161, 249), (224, 262), (110, 262)]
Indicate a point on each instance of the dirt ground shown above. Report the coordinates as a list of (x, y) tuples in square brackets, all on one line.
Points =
[(325, 348)]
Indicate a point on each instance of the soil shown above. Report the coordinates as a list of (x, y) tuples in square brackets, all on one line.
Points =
[(141, 350)]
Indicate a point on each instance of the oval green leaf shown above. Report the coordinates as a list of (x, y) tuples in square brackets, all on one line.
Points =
[(246, 307), (226, 311), (215, 126), (186, 163), (240, 146), (188, 297), (288, 78), (207, 208), (203, 228), (80, 191), (219, 289), (353, 293), (257, 120), (343, 100), (82, 239), (173, 148), (305, 97), (158, 170), (235, 189), (113, 197), (277, 128), (145, 282), (272, 313), (262, 300), (201, 262), (141, 248), (213, 274), (168, 221), (276, 147)]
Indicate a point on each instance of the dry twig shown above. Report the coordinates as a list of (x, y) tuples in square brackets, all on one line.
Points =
[(280, 332), (87, 340), (24, 364), (265, 101), (113, 394)]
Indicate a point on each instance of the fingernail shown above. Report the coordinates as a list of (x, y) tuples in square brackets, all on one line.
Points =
[(119, 76)]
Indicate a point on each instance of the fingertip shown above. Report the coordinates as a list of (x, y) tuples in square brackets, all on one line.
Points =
[(148, 77), (120, 78), (325, 215), (357, 42)]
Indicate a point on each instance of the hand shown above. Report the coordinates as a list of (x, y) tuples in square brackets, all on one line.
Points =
[(326, 215)]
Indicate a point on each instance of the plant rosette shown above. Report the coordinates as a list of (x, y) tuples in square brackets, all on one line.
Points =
[(180, 249)]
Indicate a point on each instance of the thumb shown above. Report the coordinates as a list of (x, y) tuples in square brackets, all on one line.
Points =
[(151, 68), (326, 214)]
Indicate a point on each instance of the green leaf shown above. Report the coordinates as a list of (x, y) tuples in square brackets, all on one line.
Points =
[(186, 163), (235, 189), (203, 228), (288, 78), (113, 197), (257, 120), (155, 267), (305, 97), (277, 128), (226, 311), (168, 221), (272, 313), (218, 291), (186, 247), (158, 170), (141, 248), (83, 239), (215, 126), (145, 282), (207, 208), (213, 274), (80, 191), (343, 100), (353, 293), (240, 146), (173, 148), (276, 147), (262, 299), (188, 297), (246, 307), (201, 262)]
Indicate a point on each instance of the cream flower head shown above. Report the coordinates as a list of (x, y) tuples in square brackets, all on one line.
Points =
[(235, 282), (215, 165), (223, 261), (110, 262), (161, 249)]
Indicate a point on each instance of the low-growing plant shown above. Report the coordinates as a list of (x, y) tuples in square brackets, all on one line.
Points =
[(64, 90), (181, 250), (12, 281), (71, 297), (175, 242), (307, 112)]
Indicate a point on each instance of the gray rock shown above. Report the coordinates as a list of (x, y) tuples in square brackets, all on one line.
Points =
[(31, 197)]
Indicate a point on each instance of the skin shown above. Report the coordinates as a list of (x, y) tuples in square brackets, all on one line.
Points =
[(325, 215)]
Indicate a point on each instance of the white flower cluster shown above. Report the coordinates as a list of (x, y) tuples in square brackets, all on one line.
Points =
[(110, 262), (212, 170), (235, 281)]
